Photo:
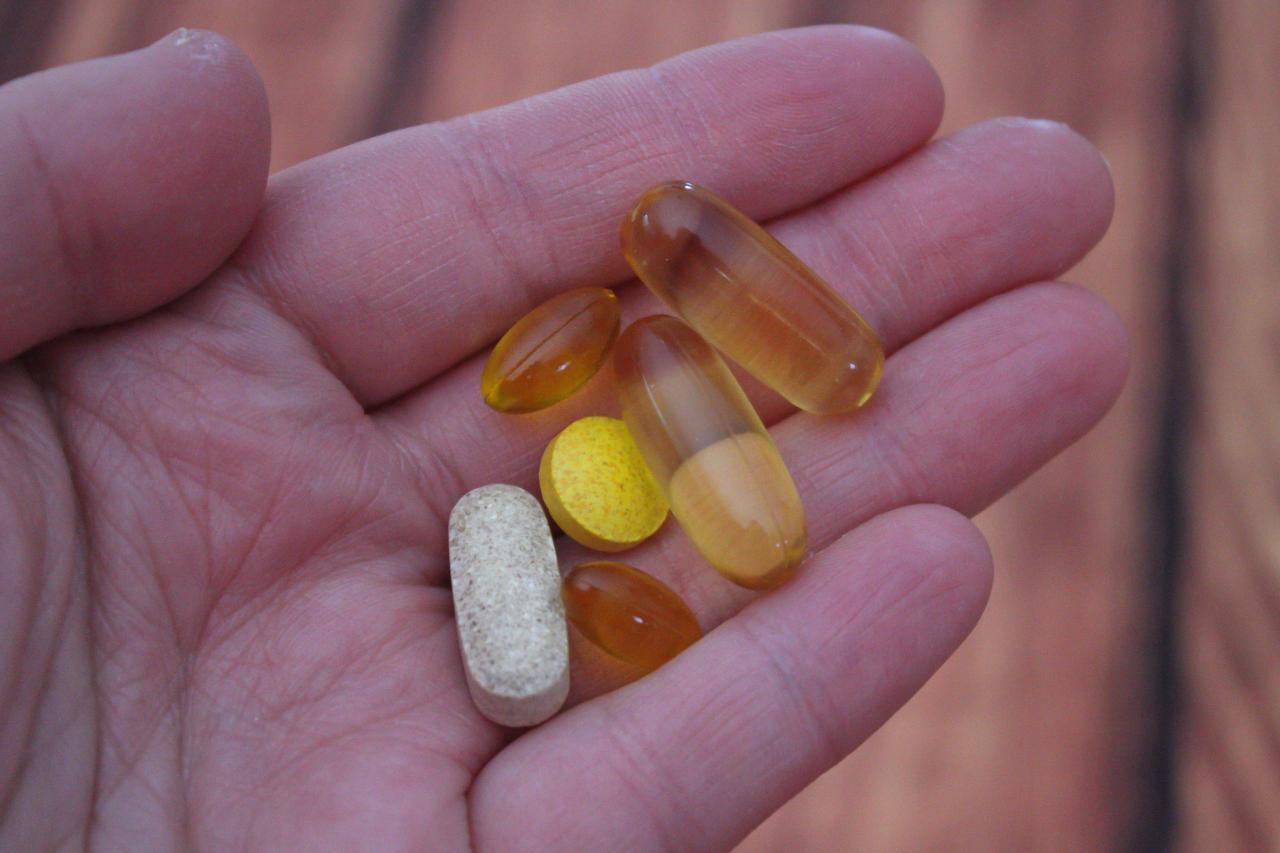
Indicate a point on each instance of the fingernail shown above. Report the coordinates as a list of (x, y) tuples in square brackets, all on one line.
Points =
[(198, 45), (1033, 123), (180, 36)]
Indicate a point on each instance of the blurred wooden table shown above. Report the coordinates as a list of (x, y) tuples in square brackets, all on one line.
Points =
[(1123, 688)]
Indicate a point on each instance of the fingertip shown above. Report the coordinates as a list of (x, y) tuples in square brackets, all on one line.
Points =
[(198, 178), (1099, 339), (949, 550), (137, 174), (907, 68), (843, 101), (1080, 158), (1061, 164), (1115, 346), (216, 104), (231, 87), (1100, 178), (929, 558), (874, 75)]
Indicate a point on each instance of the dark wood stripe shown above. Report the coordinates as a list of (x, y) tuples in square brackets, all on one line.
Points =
[(827, 12), (400, 93), (26, 27), (145, 24), (1168, 516)]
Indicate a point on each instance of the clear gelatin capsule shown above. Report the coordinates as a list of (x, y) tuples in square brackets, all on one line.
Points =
[(752, 298), (723, 477), (552, 351)]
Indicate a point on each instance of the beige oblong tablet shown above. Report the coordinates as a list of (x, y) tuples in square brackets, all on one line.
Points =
[(506, 599)]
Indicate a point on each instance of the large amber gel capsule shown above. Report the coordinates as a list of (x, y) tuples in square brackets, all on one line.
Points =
[(705, 445), (746, 293), (551, 351), (631, 615)]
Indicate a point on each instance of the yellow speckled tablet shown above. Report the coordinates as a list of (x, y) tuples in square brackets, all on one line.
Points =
[(597, 487)]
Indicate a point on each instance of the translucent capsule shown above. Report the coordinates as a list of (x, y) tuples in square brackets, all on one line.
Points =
[(631, 615), (552, 351), (749, 296), (727, 485)]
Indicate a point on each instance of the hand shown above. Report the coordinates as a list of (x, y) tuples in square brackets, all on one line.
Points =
[(224, 612)]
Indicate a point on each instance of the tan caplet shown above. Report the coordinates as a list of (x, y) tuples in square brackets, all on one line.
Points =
[(506, 598)]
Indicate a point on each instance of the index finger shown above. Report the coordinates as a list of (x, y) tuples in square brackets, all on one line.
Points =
[(402, 255)]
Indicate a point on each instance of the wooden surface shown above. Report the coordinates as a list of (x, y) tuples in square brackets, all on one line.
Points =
[(1123, 688), (1229, 747)]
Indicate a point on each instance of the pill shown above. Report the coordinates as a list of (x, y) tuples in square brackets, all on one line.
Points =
[(551, 351), (752, 298), (597, 487), (506, 598), (723, 477), (630, 614)]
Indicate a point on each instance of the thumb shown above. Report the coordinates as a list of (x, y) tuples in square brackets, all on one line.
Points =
[(126, 180)]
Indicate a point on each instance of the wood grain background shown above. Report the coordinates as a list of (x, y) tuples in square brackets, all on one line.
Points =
[(1123, 688)]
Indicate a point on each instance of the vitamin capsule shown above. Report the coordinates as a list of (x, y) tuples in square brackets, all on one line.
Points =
[(631, 615), (552, 351), (598, 489), (506, 600), (749, 296), (705, 445)]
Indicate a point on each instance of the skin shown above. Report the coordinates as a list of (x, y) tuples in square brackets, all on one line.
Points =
[(235, 413)]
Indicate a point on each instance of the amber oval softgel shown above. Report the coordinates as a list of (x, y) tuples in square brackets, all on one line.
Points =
[(631, 615), (552, 351), (726, 484), (752, 298)]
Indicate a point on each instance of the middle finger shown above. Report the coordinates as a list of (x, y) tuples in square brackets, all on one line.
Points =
[(978, 213)]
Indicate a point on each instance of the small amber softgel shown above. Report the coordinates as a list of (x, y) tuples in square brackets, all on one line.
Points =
[(753, 299), (552, 351), (631, 615)]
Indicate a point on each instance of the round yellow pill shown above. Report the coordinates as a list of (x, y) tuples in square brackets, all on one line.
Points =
[(597, 487)]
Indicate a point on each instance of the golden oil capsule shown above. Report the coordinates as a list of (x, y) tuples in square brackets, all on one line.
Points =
[(749, 296), (631, 615), (552, 351), (726, 484)]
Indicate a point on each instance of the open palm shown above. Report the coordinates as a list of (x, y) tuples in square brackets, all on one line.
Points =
[(224, 612)]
